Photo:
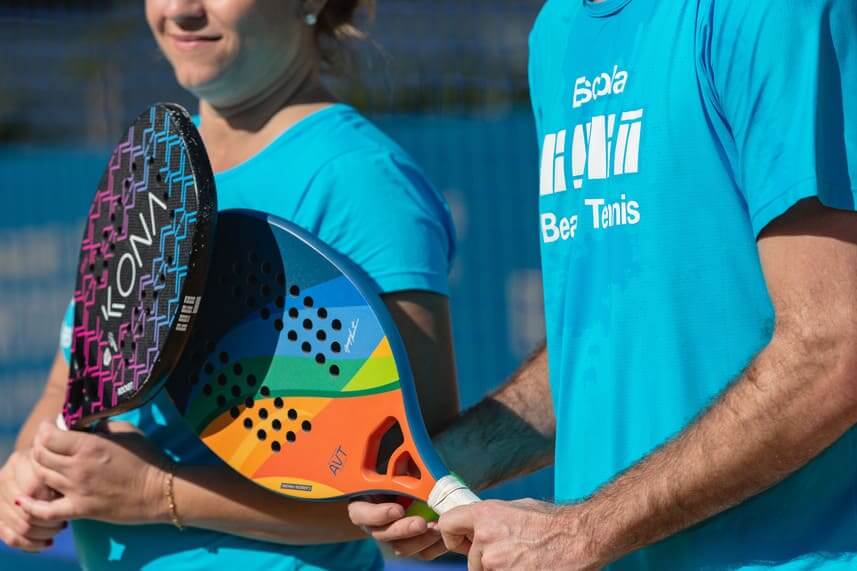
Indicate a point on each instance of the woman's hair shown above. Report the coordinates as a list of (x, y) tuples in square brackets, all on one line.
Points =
[(336, 26)]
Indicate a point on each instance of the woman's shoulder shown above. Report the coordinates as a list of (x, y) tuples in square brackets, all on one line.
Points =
[(340, 131)]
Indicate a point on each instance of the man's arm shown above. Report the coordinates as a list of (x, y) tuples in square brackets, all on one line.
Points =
[(508, 434), (795, 399)]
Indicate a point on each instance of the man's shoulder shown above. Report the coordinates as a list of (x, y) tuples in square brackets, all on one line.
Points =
[(555, 16)]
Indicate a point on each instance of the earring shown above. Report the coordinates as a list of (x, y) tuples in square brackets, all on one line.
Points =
[(311, 19)]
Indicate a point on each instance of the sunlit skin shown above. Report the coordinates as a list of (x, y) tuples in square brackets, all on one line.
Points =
[(254, 64)]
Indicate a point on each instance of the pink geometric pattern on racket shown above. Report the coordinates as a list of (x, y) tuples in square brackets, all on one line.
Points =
[(134, 302)]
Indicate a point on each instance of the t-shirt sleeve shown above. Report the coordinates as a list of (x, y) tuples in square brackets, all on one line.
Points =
[(65, 332), (782, 76), (379, 210)]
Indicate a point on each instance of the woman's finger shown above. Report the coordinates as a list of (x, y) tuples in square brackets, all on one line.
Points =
[(54, 480), (16, 541), (433, 551), (54, 510), (368, 514), (49, 459), (416, 545), (405, 528)]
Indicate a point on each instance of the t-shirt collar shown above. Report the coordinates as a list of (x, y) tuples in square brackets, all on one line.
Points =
[(605, 8)]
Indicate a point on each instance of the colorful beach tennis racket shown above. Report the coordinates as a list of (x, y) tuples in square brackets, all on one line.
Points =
[(296, 375), (143, 264)]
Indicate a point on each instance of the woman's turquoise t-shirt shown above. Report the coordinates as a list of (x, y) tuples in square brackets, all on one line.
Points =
[(339, 177)]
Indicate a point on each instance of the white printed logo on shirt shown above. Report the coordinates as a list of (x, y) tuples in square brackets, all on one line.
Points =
[(600, 148)]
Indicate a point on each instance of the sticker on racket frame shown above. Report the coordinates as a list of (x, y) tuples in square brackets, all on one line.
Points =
[(142, 268), (297, 376)]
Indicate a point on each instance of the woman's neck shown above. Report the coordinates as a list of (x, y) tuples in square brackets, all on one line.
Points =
[(235, 133)]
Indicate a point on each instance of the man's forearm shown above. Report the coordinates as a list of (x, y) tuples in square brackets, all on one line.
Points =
[(508, 434), (786, 408)]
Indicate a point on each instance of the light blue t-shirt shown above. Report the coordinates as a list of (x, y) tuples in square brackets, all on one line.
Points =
[(671, 133), (339, 177)]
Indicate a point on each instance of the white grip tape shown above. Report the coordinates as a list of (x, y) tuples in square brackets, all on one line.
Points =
[(61, 422), (449, 493)]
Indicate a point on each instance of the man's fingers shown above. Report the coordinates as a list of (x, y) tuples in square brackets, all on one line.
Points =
[(474, 557), (456, 527), (371, 515)]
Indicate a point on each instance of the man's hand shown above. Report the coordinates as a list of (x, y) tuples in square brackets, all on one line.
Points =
[(115, 476), (19, 529), (410, 536), (525, 534)]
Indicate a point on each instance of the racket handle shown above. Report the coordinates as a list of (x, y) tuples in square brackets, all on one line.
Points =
[(449, 492)]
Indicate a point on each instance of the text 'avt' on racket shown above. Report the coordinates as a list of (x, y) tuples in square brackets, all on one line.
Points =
[(297, 377), (143, 264)]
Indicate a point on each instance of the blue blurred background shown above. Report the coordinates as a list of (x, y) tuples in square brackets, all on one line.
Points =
[(445, 78)]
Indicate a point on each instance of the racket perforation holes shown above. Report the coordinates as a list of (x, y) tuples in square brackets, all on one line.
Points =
[(336, 324), (278, 403), (334, 370), (290, 436), (275, 446), (322, 313), (321, 335), (251, 380), (292, 414), (265, 313), (280, 302), (262, 435), (293, 312), (306, 426), (295, 290), (266, 392)]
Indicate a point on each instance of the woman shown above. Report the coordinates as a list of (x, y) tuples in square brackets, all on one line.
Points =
[(279, 143)]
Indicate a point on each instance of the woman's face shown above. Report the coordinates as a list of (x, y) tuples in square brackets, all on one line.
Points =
[(227, 51)]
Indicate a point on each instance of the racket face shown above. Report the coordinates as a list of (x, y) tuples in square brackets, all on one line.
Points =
[(296, 376), (142, 266)]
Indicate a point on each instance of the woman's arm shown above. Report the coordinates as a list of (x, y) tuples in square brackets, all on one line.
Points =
[(49, 404), (95, 471)]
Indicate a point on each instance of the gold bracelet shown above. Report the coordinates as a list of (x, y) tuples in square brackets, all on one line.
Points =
[(171, 498)]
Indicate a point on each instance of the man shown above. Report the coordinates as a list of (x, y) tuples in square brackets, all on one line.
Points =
[(699, 177)]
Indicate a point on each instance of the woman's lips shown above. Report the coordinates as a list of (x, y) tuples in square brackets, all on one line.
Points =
[(191, 41)]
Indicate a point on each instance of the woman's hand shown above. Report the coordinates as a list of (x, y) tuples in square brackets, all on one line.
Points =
[(407, 536), (116, 475), (18, 528)]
